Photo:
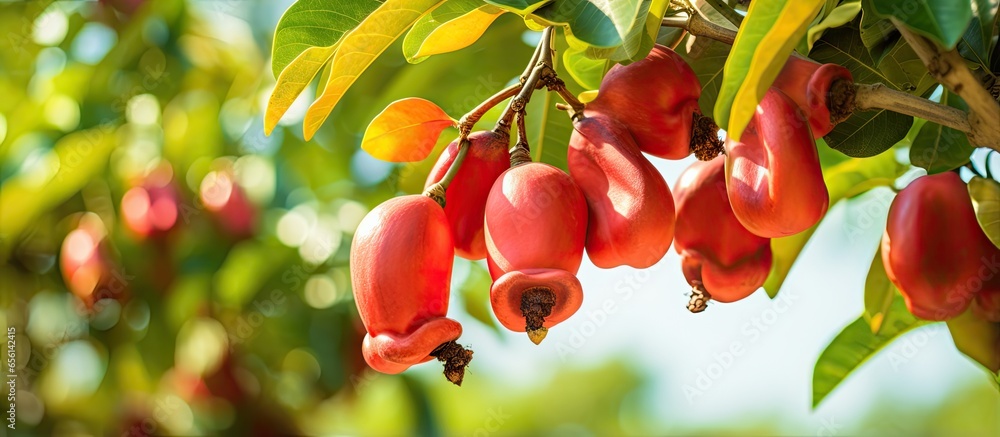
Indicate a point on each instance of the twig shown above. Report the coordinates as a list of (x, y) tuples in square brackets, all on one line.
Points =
[(726, 11), (879, 96), (466, 123), (948, 68), (542, 67), (698, 24)]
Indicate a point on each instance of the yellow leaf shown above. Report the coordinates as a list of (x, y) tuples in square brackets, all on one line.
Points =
[(588, 96), (406, 130), (768, 34), (460, 32), (292, 80), (359, 48)]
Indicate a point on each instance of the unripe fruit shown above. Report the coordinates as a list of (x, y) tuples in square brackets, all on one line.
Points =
[(656, 98), (225, 199), (401, 260), (934, 250), (717, 252), (631, 211), (773, 174), (809, 84), (465, 201), (536, 226)]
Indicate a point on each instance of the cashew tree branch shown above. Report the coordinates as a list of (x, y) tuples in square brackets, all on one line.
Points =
[(948, 68)]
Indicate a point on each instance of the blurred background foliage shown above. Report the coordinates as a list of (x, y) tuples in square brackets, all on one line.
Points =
[(233, 313)]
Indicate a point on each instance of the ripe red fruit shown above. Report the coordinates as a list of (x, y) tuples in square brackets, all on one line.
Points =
[(465, 201), (809, 84), (536, 226), (934, 250), (773, 174), (656, 98), (222, 196), (718, 254), (86, 263), (987, 303), (401, 261), (631, 219), (151, 208)]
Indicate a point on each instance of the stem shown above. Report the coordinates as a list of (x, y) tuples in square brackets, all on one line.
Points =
[(469, 120), (726, 11), (541, 67), (437, 191), (948, 68), (879, 96), (698, 24)]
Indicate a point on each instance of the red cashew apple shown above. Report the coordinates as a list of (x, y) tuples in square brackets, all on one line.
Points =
[(935, 252), (773, 174), (536, 227), (86, 263), (987, 303), (631, 219), (810, 84), (224, 198), (656, 98), (151, 208), (401, 260), (719, 256), (465, 200)]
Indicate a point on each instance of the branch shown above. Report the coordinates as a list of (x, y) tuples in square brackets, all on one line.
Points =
[(540, 66), (879, 96), (698, 24), (948, 68)]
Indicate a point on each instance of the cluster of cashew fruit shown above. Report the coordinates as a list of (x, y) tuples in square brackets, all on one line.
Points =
[(532, 222)]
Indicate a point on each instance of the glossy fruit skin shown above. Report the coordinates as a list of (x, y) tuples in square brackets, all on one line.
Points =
[(655, 98), (631, 211), (401, 260), (934, 250), (465, 201), (715, 248), (536, 228), (773, 174), (808, 84)]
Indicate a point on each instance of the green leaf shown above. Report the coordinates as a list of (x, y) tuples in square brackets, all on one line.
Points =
[(585, 71), (707, 57), (839, 16), (944, 21), (869, 133), (359, 48), (977, 339), (293, 80), (452, 26), (72, 163), (475, 291), (855, 345), (985, 195), (879, 293), (550, 136), (877, 33), (843, 180), (938, 148), (975, 43), (315, 23), (520, 7), (765, 40), (600, 23)]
